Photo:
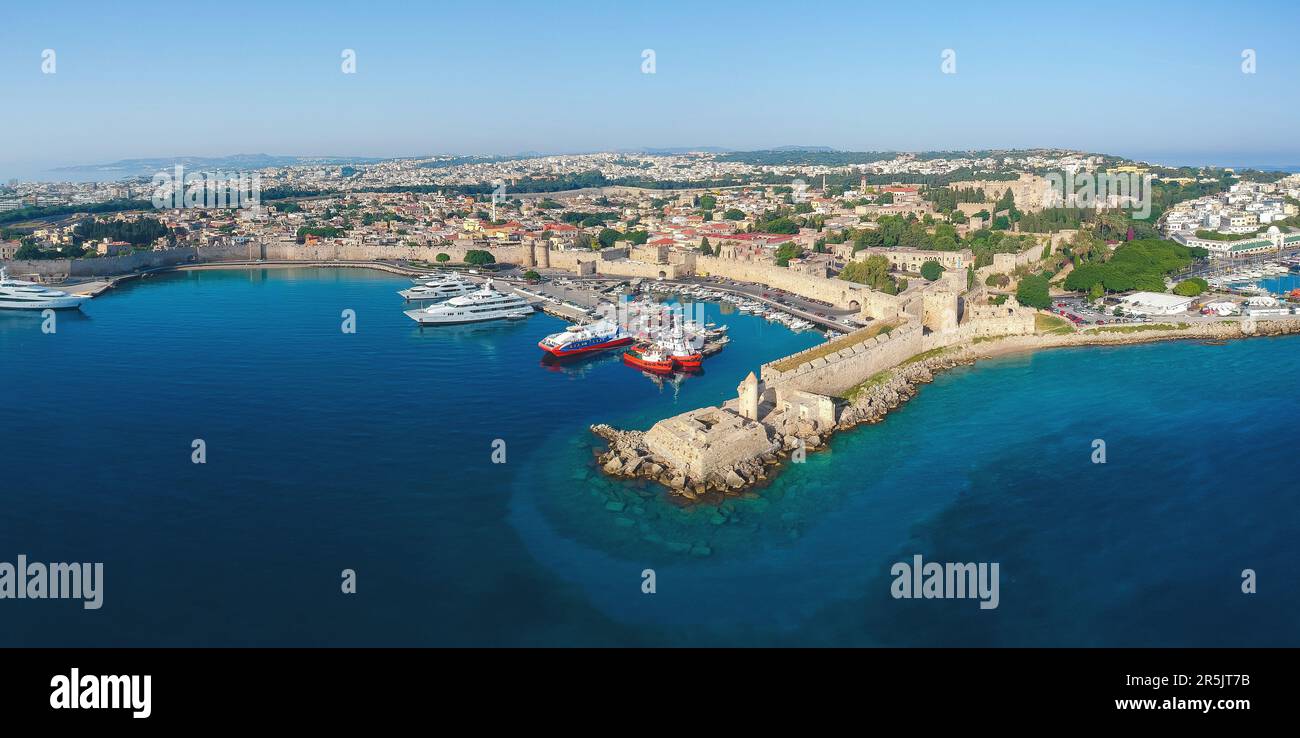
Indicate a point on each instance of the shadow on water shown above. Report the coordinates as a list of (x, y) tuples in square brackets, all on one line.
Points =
[(578, 365), (21, 318)]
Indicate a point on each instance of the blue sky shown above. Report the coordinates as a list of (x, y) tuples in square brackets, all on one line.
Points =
[(1149, 79)]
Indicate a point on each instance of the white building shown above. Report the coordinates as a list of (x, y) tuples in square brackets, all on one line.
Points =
[(1155, 303)]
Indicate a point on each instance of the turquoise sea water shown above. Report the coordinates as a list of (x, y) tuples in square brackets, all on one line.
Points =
[(1282, 284), (373, 452)]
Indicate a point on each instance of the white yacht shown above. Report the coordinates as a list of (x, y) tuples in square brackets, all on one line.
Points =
[(440, 289), (476, 307), (15, 294)]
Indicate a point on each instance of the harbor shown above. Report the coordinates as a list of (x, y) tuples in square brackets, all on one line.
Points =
[(551, 503), (651, 320)]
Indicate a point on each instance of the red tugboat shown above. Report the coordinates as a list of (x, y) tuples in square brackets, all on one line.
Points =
[(684, 357), (650, 359)]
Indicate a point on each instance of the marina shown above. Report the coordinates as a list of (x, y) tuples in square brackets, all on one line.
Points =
[(820, 534)]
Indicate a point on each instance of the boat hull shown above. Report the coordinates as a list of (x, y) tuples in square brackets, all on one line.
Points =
[(561, 352), (688, 363), (425, 321), (57, 303), (654, 367)]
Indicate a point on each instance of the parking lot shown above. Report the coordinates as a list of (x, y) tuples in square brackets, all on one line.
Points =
[(1082, 313)]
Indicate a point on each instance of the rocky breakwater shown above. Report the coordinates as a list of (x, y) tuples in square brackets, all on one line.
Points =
[(872, 400), (713, 453), (710, 452)]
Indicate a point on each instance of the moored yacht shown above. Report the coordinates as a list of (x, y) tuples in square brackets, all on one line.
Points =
[(16, 294), (440, 289), (476, 307)]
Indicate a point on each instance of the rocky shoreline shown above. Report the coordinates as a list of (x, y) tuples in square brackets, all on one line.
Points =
[(628, 457)]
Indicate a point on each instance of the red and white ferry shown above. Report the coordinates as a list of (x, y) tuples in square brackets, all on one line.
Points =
[(585, 339)]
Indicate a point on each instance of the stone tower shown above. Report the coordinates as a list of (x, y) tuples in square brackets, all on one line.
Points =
[(939, 311), (749, 392)]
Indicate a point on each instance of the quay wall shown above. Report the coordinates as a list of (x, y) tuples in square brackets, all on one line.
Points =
[(327, 250), (104, 266), (838, 292), (279, 250), (840, 372)]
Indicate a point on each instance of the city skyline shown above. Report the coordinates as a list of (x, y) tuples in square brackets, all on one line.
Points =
[(570, 78)]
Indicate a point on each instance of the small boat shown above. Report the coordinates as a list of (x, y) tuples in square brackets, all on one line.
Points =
[(650, 359), (683, 356)]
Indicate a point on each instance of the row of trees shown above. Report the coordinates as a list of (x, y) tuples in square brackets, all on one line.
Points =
[(1136, 265), (51, 211), (140, 232), (873, 272)]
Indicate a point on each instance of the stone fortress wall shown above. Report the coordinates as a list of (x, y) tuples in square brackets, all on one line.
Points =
[(836, 374), (838, 292), (104, 266), (801, 402)]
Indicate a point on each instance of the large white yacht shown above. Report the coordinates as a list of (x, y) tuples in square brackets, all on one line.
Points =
[(476, 307), (440, 289), (15, 294)]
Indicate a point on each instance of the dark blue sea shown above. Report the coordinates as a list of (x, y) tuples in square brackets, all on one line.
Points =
[(373, 451)]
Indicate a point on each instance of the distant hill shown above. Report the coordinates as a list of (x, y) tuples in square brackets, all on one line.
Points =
[(146, 167), (668, 151)]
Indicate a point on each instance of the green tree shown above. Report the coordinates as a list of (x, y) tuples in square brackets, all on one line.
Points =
[(607, 237), (708, 202), (1191, 287), (1033, 291), (931, 270), (783, 226), (733, 214), (787, 251), (532, 276), (478, 257), (442, 258), (872, 271), (705, 249), (29, 251)]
